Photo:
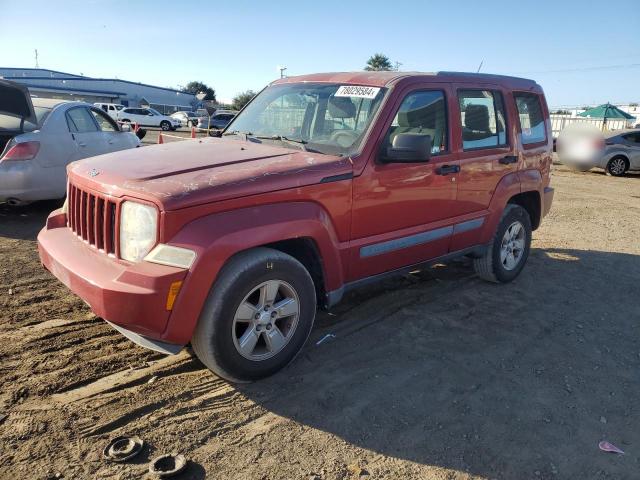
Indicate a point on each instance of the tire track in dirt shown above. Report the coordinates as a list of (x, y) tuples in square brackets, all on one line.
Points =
[(435, 375)]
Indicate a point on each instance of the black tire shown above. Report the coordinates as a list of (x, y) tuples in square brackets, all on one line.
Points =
[(614, 166), (165, 125), (490, 267), (213, 339)]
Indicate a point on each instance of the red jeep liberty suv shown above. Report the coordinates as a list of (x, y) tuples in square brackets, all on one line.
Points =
[(322, 183)]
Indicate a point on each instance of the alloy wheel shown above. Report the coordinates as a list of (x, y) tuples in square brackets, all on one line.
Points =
[(265, 320), (617, 166), (512, 246)]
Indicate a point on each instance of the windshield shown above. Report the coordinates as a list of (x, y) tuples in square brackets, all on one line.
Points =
[(327, 118), (155, 112)]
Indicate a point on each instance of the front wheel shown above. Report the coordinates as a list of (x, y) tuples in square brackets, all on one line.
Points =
[(617, 167), (257, 316), (505, 257), (165, 126)]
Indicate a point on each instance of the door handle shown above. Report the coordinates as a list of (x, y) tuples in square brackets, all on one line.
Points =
[(82, 144), (508, 159), (447, 169)]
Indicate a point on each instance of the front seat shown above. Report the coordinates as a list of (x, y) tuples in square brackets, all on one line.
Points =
[(341, 108), (476, 123)]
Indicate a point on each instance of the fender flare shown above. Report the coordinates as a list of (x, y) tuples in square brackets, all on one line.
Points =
[(514, 183), (508, 186), (217, 237)]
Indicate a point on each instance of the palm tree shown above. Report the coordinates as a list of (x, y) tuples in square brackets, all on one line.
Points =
[(378, 62)]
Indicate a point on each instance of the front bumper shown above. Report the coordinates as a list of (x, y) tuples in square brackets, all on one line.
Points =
[(132, 297)]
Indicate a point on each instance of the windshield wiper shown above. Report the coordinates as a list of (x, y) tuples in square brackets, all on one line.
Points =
[(296, 142), (244, 135)]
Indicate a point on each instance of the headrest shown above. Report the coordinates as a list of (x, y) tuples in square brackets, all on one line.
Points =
[(420, 115), (476, 117), (403, 119), (341, 107)]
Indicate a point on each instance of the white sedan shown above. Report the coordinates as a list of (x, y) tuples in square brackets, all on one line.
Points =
[(148, 117), (40, 137)]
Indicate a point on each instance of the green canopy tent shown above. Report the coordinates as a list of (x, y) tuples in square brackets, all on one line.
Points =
[(606, 111)]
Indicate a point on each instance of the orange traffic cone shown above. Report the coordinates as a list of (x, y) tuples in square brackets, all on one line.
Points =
[(193, 132), (160, 140)]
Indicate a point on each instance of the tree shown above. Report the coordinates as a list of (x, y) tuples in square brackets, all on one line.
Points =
[(198, 87), (378, 62), (241, 99)]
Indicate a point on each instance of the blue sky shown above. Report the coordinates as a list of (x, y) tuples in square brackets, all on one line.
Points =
[(235, 46)]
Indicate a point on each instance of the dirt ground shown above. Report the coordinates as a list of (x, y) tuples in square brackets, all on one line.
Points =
[(436, 375)]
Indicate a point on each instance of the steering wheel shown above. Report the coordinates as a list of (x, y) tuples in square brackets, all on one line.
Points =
[(344, 138)]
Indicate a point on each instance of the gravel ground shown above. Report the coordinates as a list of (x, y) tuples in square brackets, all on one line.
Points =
[(436, 375)]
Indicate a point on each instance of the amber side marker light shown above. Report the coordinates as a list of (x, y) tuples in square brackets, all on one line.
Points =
[(174, 289)]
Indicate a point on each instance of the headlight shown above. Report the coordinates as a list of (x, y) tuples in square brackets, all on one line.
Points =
[(138, 227)]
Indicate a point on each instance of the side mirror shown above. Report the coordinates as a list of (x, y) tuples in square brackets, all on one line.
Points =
[(408, 148), (215, 133), (125, 127)]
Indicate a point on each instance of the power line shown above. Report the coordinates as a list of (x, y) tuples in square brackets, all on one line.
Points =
[(583, 69)]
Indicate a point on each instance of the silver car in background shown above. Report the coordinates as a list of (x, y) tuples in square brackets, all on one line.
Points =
[(621, 152), (40, 137)]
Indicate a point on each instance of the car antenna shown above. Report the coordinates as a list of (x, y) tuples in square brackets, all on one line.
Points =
[(480, 66)]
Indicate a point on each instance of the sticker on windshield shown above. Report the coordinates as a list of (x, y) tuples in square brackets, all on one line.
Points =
[(357, 91)]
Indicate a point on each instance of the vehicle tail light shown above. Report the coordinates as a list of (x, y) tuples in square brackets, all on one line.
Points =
[(22, 151)]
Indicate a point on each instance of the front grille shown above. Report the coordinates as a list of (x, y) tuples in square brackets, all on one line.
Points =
[(93, 218)]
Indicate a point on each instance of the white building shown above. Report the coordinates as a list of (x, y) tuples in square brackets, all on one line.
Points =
[(67, 86)]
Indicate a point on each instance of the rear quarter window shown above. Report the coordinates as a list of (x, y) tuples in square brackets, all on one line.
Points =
[(532, 121)]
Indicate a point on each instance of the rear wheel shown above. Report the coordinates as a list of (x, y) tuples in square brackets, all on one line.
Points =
[(165, 125), (257, 316), (505, 257), (617, 166)]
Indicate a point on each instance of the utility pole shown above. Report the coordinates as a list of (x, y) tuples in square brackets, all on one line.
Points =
[(37, 66), (282, 69)]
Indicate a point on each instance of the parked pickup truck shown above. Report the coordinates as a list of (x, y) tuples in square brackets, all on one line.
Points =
[(321, 184)]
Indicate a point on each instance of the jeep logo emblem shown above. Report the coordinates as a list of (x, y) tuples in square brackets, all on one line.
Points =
[(94, 173)]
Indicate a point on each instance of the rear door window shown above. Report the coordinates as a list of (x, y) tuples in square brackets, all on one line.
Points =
[(482, 118), (80, 120), (532, 124), (632, 137)]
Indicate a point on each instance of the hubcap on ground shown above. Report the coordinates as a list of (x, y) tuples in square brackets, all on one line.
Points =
[(266, 320), (617, 166), (512, 246)]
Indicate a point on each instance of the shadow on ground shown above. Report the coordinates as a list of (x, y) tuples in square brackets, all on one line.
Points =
[(504, 381), (24, 223)]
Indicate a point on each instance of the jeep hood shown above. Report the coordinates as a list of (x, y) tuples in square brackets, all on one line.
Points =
[(192, 172), (15, 101)]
